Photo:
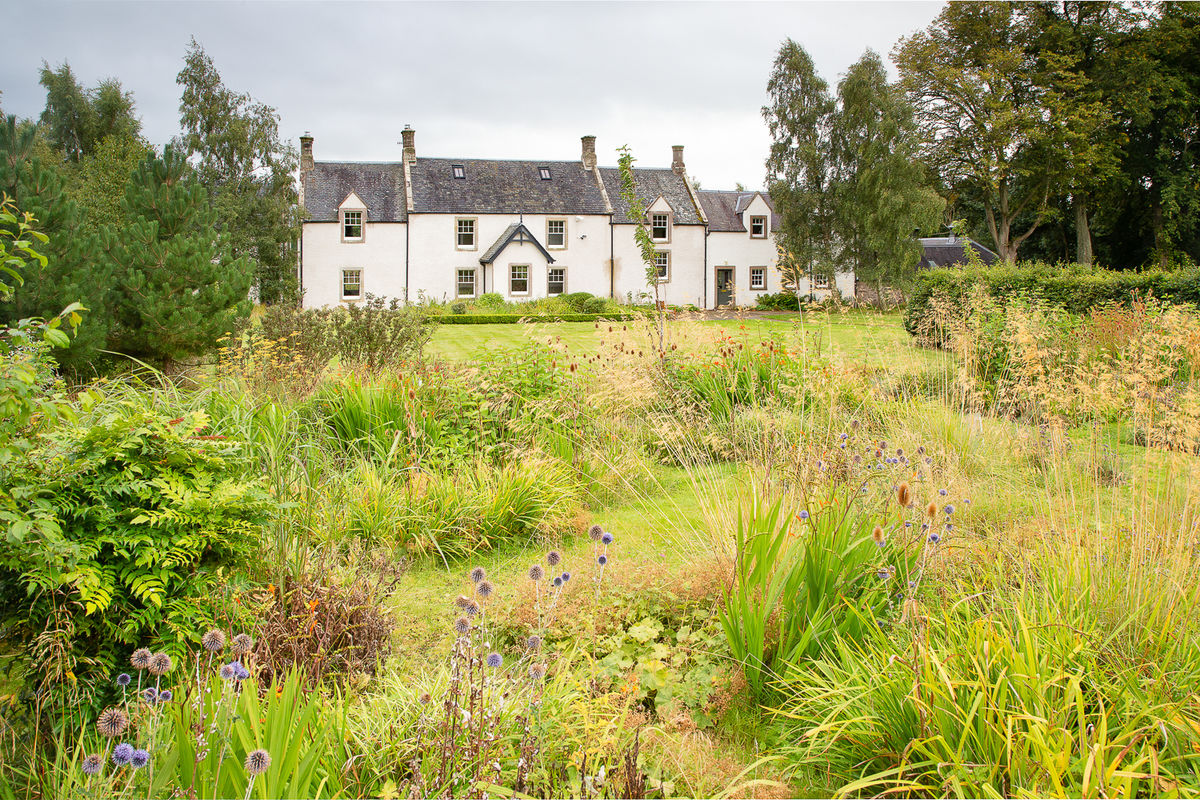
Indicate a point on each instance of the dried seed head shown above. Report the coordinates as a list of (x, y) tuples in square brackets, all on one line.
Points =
[(533, 643), (462, 601), (423, 698), (242, 644), (472, 609), (553, 558), (160, 664), (257, 762), (537, 671), (140, 658), (485, 589), (478, 574), (595, 532), (536, 573), (931, 509), (112, 723), (91, 764), (904, 495), (213, 641), (462, 625), (877, 535)]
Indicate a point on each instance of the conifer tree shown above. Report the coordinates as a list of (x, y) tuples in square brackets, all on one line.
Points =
[(179, 287)]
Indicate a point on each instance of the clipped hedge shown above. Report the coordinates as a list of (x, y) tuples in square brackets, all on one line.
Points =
[(1072, 287), (493, 319)]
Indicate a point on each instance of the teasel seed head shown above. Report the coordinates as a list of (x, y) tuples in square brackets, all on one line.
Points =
[(904, 495), (877, 535), (931, 509)]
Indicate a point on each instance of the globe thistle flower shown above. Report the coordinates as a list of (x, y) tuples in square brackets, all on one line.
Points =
[(899, 451), (150, 694), (472, 609), (91, 764), (160, 664), (140, 658), (804, 514), (122, 754), (949, 527), (112, 723), (566, 576), (602, 560), (537, 671), (595, 532), (165, 696), (213, 641), (842, 436), (485, 589), (533, 643), (607, 538), (536, 573), (124, 679), (934, 538), (921, 450), (462, 626), (558, 580), (257, 762), (494, 660), (949, 509), (139, 759), (242, 672), (877, 536), (554, 558), (904, 495), (227, 672), (931, 509), (242, 644), (942, 492), (478, 574)]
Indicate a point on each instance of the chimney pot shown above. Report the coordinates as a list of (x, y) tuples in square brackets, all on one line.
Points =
[(306, 152), (409, 138), (589, 151), (677, 159)]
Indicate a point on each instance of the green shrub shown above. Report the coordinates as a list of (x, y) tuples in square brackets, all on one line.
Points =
[(490, 300), (374, 333), (493, 319), (783, 301), (1072, 287), (147, 512), (577, 300)]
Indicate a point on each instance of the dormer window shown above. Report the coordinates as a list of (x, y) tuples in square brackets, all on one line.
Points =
[(459, 172), (660, 227), (544, 172), (758, 227), (352, 226)]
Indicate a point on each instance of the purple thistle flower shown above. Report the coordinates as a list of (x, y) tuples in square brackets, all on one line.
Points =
[(557, 580), (165, 696), (949, 509), (607, 538), (942, 492), (949, 526), (494, 660), (934, 538), (122, 754), (804, 514), (139, 759), (91, 764), (535, 572), (566, 576), (150, 694), (242, 672), (227, 672), (123, 679), (602, 560)]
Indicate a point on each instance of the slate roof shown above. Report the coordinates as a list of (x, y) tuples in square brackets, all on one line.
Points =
[(724, 209), (504, 187), (948, 251), (650, 184), (380, 185), (511, 233)]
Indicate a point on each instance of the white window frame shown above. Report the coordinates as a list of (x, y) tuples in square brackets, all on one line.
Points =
[(458, 171), (550, 245), (352, 298), (549, 280), (666, 226), (362, 225), (765, 227), (666, 257), (458, 282), (459, 233), (762, 285), (818, 281), (544, 173), (511, 277)]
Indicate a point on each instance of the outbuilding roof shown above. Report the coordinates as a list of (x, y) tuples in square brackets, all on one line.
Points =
[(380, 185), (950, 251)]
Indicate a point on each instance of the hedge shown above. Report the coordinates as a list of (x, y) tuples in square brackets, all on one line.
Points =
[(492, 319), (1073, 287)]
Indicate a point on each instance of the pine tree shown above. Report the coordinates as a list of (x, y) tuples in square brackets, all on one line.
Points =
[(179, 287)]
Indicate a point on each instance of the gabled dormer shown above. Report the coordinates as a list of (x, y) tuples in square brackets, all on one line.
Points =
[(756, 217), (352, 217), (660, 217)]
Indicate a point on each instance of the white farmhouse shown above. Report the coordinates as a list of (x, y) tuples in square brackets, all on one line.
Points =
[(455, 228)]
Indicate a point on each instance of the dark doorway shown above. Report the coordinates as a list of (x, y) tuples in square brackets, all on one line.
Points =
[(724, 287)]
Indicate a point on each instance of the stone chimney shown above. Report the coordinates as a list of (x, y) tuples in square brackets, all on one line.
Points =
[(409, 137), (306, 153), (589, 151), (677, 159)]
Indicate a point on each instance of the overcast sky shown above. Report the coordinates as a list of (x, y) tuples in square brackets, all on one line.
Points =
[(482, 80)]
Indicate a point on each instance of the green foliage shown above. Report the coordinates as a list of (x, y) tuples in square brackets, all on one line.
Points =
[(140, 513), (247, 170), (375, 333), (78, 120), (783, 301), (97, 183), (636, 205), (802, 583), (1072, 287), (489, 319), (180, 288)]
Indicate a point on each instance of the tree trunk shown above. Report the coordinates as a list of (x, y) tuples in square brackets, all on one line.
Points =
[(1083, 234), (1160, 235)]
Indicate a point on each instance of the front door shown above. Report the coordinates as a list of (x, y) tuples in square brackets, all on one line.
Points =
[(724, 287)]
